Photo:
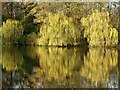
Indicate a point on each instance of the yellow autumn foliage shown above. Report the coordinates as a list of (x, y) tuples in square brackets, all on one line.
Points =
[(59, 30), (98, 31)]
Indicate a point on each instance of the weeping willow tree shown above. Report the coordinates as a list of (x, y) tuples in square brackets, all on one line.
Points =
[(59, 30), (98, 64), (98, 31), (58, 65), (11, 59), (12, 31)]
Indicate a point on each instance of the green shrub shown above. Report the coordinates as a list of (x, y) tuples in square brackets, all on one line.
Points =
[(59, 30), (12, 30), (31, 39), (28, 25), (98, 31)]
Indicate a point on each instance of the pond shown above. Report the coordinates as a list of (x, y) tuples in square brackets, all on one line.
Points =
[(56, 67)]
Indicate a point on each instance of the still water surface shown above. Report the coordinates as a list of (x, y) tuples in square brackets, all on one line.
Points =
[(39, 67)]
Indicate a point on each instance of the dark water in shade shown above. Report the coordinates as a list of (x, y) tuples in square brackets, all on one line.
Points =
[(49, 67)]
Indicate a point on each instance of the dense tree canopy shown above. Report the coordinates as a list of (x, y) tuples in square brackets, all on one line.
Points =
[(59, 30), (98, 31), (44, 22), (11, 10)]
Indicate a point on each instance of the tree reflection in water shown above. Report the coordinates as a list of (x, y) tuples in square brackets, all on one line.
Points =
[(59, 67), (98, 64), (59, 64), (12, 59)]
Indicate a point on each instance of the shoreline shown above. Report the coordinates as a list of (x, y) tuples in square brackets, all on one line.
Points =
[(68, 46)]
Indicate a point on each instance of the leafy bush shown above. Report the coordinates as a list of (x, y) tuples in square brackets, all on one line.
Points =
[(31, 39), (98, 31), (28, 25), (12, 30), (59, 30)]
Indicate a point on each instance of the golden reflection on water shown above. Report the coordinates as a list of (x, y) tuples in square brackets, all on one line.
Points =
[(11, 58), (98, 63), (59, 64), (63, 66)]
